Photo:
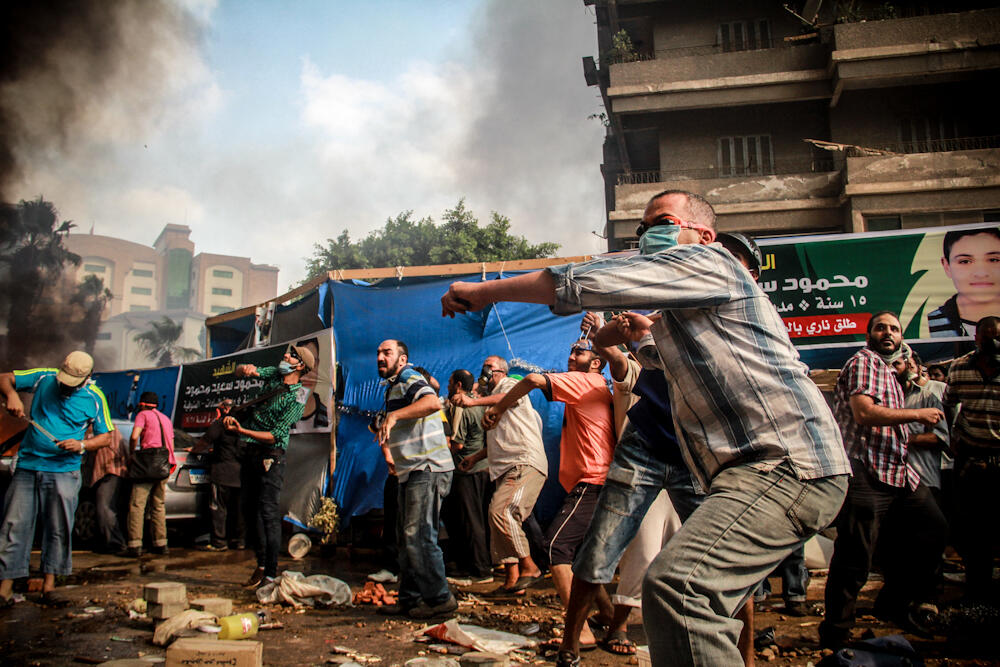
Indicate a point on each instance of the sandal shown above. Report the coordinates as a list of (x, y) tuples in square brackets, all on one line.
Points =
[(618, 644), (53, 601), (567, 659), (502, 592)]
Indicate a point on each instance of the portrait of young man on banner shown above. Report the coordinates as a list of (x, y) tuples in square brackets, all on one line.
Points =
[(971, 259)]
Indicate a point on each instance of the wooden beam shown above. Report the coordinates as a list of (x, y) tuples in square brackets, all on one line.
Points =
[(470, 268)]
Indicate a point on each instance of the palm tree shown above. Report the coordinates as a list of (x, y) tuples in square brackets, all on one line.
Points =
[(93, 297), (32, 257), (160, 343)]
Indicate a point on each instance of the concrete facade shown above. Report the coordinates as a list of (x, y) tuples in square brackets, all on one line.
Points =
[(719, 98), (169, 279)]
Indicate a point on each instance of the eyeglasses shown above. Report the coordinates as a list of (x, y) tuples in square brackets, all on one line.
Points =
[(583, 345), (672, 220)]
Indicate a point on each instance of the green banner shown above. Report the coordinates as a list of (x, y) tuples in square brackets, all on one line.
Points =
[(826, 288)]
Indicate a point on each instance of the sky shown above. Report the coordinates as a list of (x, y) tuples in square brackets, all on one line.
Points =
[(267, 127)]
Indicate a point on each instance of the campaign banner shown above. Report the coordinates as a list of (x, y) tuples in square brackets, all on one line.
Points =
[(206, 383), (939, 280)]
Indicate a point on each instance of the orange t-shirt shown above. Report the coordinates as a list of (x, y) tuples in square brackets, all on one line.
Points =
[(588, 436)]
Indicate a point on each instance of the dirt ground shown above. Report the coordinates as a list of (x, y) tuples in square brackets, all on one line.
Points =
[(36, 635)]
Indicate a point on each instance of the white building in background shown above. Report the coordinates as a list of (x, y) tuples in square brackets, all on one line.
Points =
[(166, 279)]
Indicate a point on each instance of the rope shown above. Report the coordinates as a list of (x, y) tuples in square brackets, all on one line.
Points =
[(399, 273), (482, 266)]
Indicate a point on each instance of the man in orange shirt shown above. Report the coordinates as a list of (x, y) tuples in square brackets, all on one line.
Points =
[(585, 452)]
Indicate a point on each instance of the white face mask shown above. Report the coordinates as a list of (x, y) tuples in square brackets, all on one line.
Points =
[(285, 368)]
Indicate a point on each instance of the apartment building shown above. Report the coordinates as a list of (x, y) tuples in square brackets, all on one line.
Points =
[(802, 117), (167, 279)]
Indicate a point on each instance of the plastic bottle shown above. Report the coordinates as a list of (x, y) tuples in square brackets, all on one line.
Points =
[(241, 626)]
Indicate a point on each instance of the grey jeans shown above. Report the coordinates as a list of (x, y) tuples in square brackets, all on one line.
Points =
[(754, 515)]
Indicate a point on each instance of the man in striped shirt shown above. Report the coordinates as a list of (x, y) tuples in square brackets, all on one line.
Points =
[(752, 427), (869, 406), (412, 437), (974, 384)]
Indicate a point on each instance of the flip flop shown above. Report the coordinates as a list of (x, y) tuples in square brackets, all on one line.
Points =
[(567, 659), (502, 592), (618, 643), (526, 582), (596, 626)]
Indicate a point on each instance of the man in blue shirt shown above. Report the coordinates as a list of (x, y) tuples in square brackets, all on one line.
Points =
[(47, 479)]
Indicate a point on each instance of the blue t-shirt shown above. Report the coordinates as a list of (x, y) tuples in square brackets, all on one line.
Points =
[(651, 415), (64, 418)]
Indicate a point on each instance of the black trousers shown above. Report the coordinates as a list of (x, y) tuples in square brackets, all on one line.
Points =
[(227, 515), (978, 529), (107, 497), (913, 532), (465, 510), (261, 493), (390, 516)]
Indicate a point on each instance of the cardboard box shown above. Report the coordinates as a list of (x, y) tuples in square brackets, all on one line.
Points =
[(214, 606), (642, 655), (195, 652), (160, 611), (165, 591)]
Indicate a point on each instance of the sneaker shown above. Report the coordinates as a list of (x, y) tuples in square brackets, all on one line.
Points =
[(394, 609), (383, 576), (255, 578), (796, 608), (424, 610), (213, 547)]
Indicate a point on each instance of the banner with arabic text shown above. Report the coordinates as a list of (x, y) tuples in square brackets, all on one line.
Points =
[(828, 287), (204, 384)]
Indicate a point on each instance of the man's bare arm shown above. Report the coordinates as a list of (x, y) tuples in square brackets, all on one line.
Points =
[(14, 404), (534, 287), (867, 413)]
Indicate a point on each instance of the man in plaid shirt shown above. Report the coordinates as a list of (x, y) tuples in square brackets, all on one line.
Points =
[(266, 438), (869, 407)]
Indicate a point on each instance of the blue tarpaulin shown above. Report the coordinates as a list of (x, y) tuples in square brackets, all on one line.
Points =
[(367, 315), (122, 391)]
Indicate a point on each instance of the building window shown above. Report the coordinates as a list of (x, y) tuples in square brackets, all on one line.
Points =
[(745, 35), (137, 308), (883, 223), (145, 291), (94, 268), (745, 156), (142, 273), (104, 336), (222, 291), (219, 273), (220, 309)]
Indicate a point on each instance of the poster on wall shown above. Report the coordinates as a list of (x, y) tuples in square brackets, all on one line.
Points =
[(204, 384), (939, 280)]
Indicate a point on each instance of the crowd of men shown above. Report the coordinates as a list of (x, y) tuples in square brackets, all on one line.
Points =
[(701, 471)]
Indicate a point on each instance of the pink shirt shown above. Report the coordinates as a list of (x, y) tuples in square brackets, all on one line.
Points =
[(150, 436), (588, 437)]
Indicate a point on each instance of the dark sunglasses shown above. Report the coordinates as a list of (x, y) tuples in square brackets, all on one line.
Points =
[(294, 355), (673, 220)]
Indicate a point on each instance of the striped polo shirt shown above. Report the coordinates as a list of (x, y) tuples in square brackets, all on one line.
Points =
[(978, 422), (738, 391), (416, 444)]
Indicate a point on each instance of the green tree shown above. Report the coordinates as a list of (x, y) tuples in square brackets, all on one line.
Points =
[(403, 241), (32, 260), (160, 343), (92, 297)]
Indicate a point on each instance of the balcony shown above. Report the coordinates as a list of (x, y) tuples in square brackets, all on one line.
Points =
[(705, 76), (923, 49), (926, 182), (795, 196)]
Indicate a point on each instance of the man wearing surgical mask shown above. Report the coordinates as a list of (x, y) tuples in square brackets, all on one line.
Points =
[(974, 384), (753, 429), (266, 439)]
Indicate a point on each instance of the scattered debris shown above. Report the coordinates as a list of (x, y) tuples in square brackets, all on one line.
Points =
[(215, 606), (476, 637), (185, 620), (375, 594), (297, 590), (200, 651), (356, 656)]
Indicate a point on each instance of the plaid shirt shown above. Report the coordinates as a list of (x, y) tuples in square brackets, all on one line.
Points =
[(738, 391), (280, 412), (978, 422), (881, 448)]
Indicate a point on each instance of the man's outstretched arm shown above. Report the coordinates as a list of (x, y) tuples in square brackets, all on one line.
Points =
[(534, 287)]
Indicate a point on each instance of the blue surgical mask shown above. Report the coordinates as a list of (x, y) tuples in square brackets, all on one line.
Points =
[(659, 238), (285, 368)]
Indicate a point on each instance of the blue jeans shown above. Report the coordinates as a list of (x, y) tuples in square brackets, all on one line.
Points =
[(637, 474), (754, 515), (794, 578), (421, 563), (54, 495)]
